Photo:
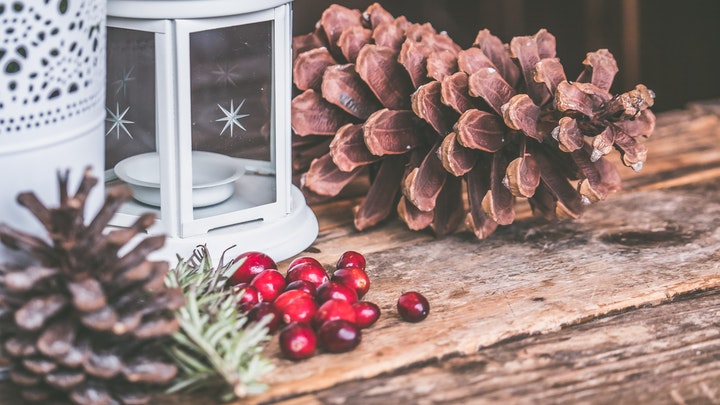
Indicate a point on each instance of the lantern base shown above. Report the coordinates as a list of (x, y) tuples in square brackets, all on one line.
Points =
[(280, 239)]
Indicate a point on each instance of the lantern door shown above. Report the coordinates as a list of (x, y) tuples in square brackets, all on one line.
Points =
[(233, 119), (138, 57)]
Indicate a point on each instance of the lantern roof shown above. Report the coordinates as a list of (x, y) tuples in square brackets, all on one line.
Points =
[(164, 9)]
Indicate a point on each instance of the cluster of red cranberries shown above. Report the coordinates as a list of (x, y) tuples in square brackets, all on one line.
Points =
[(314, 308)]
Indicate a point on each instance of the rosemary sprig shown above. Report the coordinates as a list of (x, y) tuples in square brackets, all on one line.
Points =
[(213, 348)]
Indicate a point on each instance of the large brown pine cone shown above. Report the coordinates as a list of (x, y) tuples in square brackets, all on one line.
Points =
[(357, 73), (81, 321)]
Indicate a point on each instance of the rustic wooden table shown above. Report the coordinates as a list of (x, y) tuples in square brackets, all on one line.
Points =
[(620, 306)]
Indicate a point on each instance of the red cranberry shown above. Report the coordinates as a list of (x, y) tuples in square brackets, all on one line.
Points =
[(339, 336), (351, 259), (353, 277), (250, 296), (303, 285), (303, 309), (249, 265), (287, 298), (334, 290), (308, 272), (334, 309), (266, 309), (304, 259), (270, 283), (366, 313), (413, 307), (298, 341)]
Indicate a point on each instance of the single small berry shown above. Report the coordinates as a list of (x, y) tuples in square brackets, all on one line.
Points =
[(339, 336), (309, 272), (250, 264), (249, 296), (335, 290), (353, 277), (413, 307), (288, 297), (304, 259), (303, 309), (270, 283), (265, 309), (298, 341), (366, 313), (351, 259), (303, 285), (332, 310)]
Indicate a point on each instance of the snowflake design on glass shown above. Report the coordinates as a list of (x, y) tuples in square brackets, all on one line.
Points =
[(118, 121), (226, 74), (121, 84), (232, 118)]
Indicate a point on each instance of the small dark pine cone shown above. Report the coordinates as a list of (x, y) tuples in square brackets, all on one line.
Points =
[(80, 322), (357, 73)]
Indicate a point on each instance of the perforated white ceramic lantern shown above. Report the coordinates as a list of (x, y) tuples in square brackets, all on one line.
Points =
[(52, 88), (198, 123)]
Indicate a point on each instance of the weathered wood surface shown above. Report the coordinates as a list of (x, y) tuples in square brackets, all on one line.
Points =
[(494, 301), (643, 248), (666, 354)]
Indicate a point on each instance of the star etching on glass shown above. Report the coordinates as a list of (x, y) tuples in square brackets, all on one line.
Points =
[(118, 121), (232, 118), (226, 74), (122, 83)]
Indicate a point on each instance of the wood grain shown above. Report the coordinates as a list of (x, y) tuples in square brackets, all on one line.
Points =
[(642, 249), (656, 240), (657, 355)]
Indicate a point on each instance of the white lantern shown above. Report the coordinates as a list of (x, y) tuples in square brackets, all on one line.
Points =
[(198, 123)]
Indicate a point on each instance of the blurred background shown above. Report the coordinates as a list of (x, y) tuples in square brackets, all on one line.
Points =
[(672, 47)]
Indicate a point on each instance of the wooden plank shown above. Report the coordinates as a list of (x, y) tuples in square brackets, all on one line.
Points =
[(659, 355), (532, 277), (638, 249)]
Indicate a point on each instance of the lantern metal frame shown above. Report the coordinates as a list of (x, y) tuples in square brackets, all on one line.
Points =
[(281, 227)]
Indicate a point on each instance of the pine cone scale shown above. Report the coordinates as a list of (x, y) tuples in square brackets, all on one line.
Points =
[(348, 149), (343, 87), (309, 67), (491, 87), (523, 176), (480, 130), (382, 195), (498, 201), (427, 105), (455, 158), (324, 178), (24, 280), (422, 186), (377, 66), (352, 40), (520, 113), (392, 132), (312, 115), (496, 52), (87, 295), (56, 341), (65, 379), (600, 69), (33, 315)]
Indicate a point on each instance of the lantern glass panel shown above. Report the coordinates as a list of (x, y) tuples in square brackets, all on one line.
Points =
[(231, 98), (130, 107), (131, 150)]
